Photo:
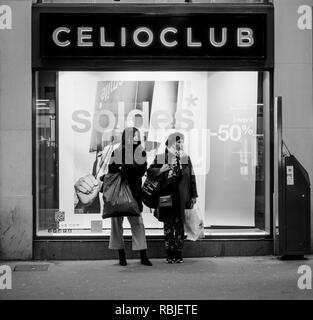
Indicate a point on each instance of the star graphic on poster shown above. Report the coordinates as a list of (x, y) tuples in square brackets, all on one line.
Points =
[(191, 100)]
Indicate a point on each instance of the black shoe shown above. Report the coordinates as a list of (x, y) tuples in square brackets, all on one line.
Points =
[(144, 259), (146, 262), (170, 257), (170, 260), (122, 257), (178, 258)]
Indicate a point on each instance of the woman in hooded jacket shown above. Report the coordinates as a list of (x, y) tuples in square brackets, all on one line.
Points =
[(130, 160)]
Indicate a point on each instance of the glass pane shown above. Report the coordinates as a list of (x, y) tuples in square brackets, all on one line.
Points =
[(235, 183), (223, 115), (46, 151)]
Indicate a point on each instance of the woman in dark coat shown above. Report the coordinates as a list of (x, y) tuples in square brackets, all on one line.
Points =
[(130, 161), (174, 169)]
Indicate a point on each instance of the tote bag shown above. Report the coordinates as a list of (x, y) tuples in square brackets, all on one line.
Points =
[(194, 225), (118, 200)]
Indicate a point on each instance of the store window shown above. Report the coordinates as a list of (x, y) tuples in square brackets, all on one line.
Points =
[(223, 115)]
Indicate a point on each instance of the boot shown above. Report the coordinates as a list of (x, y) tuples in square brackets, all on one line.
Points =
[(144, 259), (122, 257), (170, 256)]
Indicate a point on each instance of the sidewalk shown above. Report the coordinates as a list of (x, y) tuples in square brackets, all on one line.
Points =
[(196, 278)]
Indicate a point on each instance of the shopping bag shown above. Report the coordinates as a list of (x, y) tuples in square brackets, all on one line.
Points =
[(118, 200), (194, 226)]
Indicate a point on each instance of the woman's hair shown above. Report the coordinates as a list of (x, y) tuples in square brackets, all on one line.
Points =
[(173, 138), (128, 134)]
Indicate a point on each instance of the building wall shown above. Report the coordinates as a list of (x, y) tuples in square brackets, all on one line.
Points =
[(293, 81), (15, 135)]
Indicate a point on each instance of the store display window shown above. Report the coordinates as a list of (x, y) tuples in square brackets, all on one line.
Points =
[(225, 116)]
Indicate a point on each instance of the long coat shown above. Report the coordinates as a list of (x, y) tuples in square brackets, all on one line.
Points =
[(187, 187), (133, 172)]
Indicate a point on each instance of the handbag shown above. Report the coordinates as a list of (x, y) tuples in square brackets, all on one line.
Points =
[(118, 200), (166, 201), (150, 191)]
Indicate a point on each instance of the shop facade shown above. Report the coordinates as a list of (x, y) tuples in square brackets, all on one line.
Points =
[(207, 70)]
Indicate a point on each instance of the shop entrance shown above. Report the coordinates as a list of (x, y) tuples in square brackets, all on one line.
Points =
[(218, 94)]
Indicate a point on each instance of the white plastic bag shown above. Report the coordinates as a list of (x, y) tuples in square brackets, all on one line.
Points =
[(194, 226)]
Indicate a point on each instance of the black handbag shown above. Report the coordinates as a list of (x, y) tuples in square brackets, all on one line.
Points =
[(150, 192), (166, 201)]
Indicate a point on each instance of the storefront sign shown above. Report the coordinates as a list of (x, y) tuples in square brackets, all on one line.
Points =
[(161, 36)]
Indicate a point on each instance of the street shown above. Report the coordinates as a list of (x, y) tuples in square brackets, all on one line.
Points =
[(196, 278)]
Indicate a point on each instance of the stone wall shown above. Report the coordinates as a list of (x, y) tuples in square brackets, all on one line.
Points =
[(16, 212), (293, 81)]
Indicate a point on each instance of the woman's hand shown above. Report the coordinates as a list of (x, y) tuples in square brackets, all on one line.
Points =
[(193, 201), (164, 168), (87, 189)]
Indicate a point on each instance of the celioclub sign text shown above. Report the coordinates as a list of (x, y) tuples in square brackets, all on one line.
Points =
[(161, 36)]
